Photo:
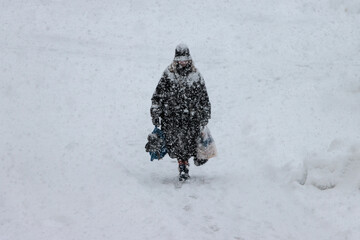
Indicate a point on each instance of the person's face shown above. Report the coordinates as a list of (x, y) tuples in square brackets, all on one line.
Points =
[(183, 63)]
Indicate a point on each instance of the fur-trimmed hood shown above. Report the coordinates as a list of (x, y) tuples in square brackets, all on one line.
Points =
[(172, 67)]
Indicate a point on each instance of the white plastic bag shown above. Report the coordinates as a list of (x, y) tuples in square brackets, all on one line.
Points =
[(206, 148)]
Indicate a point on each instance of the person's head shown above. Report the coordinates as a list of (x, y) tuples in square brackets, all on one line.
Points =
[(182, 53), (183, 59)]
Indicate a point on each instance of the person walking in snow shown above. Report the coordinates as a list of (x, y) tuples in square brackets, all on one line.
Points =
[(181, 107)]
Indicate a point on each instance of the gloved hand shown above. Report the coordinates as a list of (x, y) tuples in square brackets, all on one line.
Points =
[(156, 122), (203, 123)]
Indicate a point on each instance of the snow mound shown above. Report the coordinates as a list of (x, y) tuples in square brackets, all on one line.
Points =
[(337, 168)]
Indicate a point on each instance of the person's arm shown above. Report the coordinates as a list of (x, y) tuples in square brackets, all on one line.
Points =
[(157, 100), (204, 104)]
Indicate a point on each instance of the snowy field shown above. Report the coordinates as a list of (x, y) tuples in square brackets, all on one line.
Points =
[(76, 78)]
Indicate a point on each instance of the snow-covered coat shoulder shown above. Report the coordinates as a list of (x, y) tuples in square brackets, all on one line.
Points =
[(193, 76)]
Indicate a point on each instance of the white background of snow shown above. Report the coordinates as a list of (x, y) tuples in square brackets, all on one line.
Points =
[(76, 81)]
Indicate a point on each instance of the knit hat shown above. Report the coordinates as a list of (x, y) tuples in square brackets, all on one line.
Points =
[(182, 53)]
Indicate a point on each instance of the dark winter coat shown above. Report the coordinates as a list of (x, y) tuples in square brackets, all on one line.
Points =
[(181, 104)]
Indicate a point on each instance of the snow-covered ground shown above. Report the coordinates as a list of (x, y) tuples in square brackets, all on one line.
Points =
[(76, 78)]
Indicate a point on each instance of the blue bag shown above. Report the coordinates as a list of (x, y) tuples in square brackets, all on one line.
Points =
[(156, 145)]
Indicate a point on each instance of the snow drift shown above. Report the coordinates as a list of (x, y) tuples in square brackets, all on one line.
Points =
[(76, 81)]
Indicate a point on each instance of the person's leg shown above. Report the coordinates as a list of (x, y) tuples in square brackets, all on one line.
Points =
[(183, 169)]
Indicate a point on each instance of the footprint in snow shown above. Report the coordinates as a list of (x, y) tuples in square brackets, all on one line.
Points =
[(58, 221)]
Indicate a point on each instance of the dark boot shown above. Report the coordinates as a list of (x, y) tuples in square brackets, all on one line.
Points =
[(183, 170), (199, 162)]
